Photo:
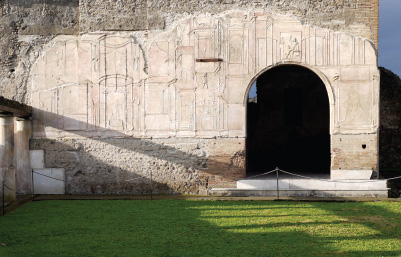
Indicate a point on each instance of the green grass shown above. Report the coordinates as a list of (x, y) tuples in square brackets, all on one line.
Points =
[(201, 228)]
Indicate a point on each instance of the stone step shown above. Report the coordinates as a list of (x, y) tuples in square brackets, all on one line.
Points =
[(306, 187), (315, 184)]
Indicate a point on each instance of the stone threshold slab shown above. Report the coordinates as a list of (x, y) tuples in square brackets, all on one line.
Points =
[(309, 184), (299, 193)]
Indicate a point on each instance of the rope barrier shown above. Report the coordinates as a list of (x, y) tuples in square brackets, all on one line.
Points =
[(16, 188), (335, 181), (393, 178), (49, 176), (226, 181), (277, 170), (104, 183), (261, 174), (141, 178), (7, 187)]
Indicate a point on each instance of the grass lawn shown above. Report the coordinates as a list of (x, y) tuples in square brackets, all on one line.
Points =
[(201, 228)]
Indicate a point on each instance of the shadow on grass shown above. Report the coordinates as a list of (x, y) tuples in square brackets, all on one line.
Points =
[(201, 228)]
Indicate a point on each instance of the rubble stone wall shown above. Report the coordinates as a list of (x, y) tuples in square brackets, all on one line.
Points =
[(358, 17), (124, 166)]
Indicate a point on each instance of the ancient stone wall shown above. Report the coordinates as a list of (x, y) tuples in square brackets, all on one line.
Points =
[(120, 88), (358, 17), (26, 26), (124, 166)]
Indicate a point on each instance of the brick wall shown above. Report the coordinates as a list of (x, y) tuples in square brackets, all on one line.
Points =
[(367, 12), (354, 152)]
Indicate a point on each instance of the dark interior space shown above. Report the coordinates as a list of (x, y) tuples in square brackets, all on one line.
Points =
[(288, 123), (390, 130)]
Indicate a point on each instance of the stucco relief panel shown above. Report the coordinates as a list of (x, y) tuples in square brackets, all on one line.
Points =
[(92, 86), (357, 92), (196, 78)]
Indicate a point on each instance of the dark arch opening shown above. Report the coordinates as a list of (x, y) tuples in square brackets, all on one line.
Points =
[(288, 123)]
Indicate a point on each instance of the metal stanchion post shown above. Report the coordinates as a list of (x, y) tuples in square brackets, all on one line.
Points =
[(33, 188), (151, 185), (4, 209), (278, 194)]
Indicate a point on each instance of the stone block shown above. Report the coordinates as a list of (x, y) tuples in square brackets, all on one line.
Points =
[(37, 159), (263, 184), (351, 174), (49, 181)]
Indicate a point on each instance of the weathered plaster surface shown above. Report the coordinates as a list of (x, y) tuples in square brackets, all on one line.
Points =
[(113, 86), (26, 26)]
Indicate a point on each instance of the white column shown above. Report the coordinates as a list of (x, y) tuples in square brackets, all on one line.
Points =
[(23, 176), (7, 173)]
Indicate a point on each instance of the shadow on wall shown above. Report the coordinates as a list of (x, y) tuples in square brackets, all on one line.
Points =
[(390, 129), (123, 165)]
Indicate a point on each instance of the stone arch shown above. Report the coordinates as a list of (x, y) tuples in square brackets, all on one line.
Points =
[(320, 74), (298, 141)]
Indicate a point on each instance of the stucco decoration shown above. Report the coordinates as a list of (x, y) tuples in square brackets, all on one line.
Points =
[(192, 80)]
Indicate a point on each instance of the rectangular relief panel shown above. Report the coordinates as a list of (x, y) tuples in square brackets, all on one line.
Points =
[(136, 110), (291, 46), (185, 63), (186, 110), (206, 47), (156, 99), (73, 107), (346, 49), (114, 103), (208, 113), (320, 51), (236, 119), (115, 55), (159, 54), (236, 52), (94, 95), (355, 74), (157, 106), (46, 104), (157, 122), (262, 53), (355, 105), (236, 90)]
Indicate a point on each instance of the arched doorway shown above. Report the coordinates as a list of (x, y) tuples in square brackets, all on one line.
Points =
[(288, 123)]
